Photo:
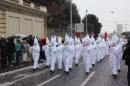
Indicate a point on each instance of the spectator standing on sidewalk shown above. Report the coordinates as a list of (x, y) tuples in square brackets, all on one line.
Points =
[(25, 48), (126, 58), (4, 51), (11, 51), (18, 49)]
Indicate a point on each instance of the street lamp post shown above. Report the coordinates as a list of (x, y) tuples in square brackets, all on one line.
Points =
[(71, 16), (86, 21)]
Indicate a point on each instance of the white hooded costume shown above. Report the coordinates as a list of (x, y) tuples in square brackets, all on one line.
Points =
[(66, 53), (86, 53), (107, 45), (94, 51), (35, 50), (46, 49), (77, 51), (53, 52), (59, 53), (119, 55), (113, 52), (72, 51), (98, 49)]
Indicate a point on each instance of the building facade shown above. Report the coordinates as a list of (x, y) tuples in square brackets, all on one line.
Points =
[(119, 29), (18, 17)]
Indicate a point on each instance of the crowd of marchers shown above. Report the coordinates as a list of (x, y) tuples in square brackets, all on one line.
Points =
[(92, 51)]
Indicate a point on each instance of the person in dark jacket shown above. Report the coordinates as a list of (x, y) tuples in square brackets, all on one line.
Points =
[(126, 58), (11, 51), (4, 51), (31, 40)]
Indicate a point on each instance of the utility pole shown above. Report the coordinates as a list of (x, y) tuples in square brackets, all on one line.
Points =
[(71, 16), (86, 22)]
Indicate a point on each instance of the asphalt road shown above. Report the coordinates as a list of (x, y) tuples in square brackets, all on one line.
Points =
[(100, 76)]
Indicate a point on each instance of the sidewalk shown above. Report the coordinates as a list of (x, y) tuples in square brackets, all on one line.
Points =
[(21, 65), (11, 72)]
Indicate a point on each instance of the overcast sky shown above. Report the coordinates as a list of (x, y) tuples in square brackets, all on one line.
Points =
[(103, 10)]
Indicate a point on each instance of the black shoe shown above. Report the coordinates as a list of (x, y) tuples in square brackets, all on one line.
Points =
[(47, 66), (87, 73), (37, 68), (93, 64), (119, 70), (59, 69), (76, 64), (51, 71), (67, 72), (34, 69), (70, 68), (115, 75), (101, 60)]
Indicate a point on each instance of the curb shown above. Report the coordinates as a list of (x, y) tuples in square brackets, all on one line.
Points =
[(17, 71)]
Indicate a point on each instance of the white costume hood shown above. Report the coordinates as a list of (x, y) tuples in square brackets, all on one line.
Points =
[(36, 45)]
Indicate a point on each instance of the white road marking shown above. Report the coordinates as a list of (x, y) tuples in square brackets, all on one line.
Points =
[(26, 76), (20, 75), (49, 80), (87, 79), (81, 63)]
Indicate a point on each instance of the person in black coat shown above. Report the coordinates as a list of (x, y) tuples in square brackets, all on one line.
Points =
[(126, 58), (4, 51), (11, 51)]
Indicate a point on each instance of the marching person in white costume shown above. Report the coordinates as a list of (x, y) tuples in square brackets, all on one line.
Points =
[(53, 51), (59, 53), (94, 51), (103, 45), (66, 53), (113, 52), (86, 51), (91, 52), (107, 46), (99, 50), (72, 51), (119, 55), (80, 49), (77, 51), (46, 49), (35, 50)]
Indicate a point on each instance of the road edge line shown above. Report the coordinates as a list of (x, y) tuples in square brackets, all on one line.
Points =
[(49, 80), (87, 79)]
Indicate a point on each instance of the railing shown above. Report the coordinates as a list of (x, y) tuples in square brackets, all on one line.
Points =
[(30, 4), (27, 4), (15, 1), (36, 6)]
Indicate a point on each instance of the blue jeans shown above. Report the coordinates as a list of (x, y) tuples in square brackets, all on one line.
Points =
[(11, 57), (17, 56)]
